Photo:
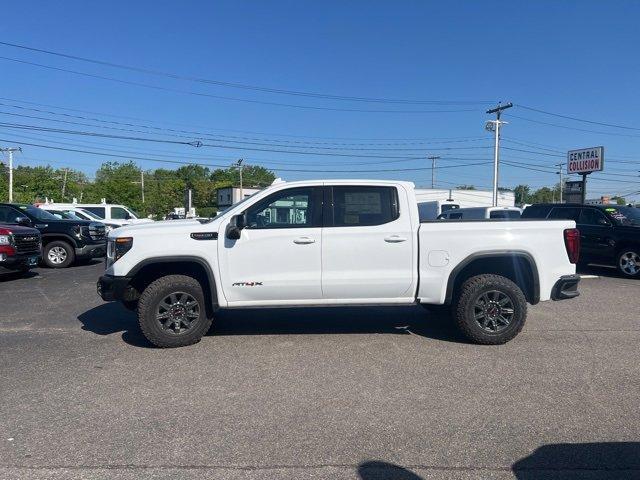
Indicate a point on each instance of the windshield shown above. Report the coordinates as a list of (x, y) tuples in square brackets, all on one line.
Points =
[(64, 215), (36, 212), (624, 215), (81, 212)]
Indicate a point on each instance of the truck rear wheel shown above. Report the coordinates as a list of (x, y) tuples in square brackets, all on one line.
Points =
[(490, 309), (172, 312)]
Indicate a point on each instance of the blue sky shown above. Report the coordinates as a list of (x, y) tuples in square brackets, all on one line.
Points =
[(576, 58)]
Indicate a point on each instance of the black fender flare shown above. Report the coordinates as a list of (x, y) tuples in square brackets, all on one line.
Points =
[(520, 254), (185, 259)]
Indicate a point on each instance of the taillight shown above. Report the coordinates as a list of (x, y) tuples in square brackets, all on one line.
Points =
[(572, 244)]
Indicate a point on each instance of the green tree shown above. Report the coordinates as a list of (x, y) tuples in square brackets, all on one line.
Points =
[(522, 194)]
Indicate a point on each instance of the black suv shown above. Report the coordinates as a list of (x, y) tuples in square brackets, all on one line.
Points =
[(609, 234), (63, 241)]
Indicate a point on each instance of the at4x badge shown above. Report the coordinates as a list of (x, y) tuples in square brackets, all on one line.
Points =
[(246, 284)]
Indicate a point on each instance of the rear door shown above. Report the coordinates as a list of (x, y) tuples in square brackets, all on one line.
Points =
[(367, 244), (595, 235)]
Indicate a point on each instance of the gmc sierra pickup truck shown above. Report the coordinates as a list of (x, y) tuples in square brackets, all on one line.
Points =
[(340, 242), (19, 248)]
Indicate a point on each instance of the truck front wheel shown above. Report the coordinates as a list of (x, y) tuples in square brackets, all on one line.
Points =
[(58, 254), (172, 312), (490, 309)]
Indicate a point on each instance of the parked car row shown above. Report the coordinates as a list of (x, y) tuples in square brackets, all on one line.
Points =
[(57, 235)]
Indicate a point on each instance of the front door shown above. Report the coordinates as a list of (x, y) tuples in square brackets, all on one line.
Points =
[(367, 244), (277, 257)]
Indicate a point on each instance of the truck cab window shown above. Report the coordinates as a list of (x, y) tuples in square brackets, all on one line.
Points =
[(291, 208), (99, 211), (360, 206), (119, 213)]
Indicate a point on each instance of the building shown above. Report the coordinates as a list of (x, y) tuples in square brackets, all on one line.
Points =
[(603, 200), (231, 195)]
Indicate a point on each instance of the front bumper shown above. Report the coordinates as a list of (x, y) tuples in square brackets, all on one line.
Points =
[(92, 250), (115, 288), (566, 287), (19, 262)]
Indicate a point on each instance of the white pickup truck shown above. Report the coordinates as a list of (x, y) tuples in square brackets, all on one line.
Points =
[(338, 242)]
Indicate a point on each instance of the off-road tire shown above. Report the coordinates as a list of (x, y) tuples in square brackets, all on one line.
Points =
[(69, 251), (155, 293), (471, 291)]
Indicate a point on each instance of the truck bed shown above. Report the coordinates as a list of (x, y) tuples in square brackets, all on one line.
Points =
[(447, 244)]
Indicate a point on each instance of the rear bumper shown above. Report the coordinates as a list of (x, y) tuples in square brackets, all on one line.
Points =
[(92, 250), (566, 287), (115, 288)]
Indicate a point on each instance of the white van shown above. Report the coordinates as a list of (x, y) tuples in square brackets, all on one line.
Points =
[(480, 213), (107, 212)]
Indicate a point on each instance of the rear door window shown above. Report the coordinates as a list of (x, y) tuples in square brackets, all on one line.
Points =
[(356, 206), (593, 216)]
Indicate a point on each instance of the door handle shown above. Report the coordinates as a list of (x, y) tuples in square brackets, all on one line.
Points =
[(304, 240), (395, 239)]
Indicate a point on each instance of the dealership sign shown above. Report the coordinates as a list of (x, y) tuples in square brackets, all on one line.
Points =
[(586, 160)]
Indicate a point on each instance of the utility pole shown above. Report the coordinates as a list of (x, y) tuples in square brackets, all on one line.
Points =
[(64, 183), (142, 183), (560, 165), (496, 152), (433, 159), (10, 151), (238, 164)]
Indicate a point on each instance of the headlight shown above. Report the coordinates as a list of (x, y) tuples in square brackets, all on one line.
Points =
[(5, 239), (116, 248)]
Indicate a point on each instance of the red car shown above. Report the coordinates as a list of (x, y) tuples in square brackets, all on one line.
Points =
[(20, 248)]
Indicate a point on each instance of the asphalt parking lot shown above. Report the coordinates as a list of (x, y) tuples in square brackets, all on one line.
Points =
[(376, 393)]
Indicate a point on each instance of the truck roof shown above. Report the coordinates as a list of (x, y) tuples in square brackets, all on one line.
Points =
[(347, 181)]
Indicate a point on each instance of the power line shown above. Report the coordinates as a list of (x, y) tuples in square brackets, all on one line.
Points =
[(224, 166), (244, 86), (153, 153), (377, 139), (613, 125), (34, 117), (222, 97), (572, 128), (192, 132), (198, 143)]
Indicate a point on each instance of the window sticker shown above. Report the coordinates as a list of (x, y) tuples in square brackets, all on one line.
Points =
[(362, 203)]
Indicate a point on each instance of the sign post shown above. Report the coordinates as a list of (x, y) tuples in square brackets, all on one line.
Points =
[(585, 161)]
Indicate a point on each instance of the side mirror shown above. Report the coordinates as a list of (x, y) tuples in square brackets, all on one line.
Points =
[(603, 222), (237, 223), (23, 221)]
